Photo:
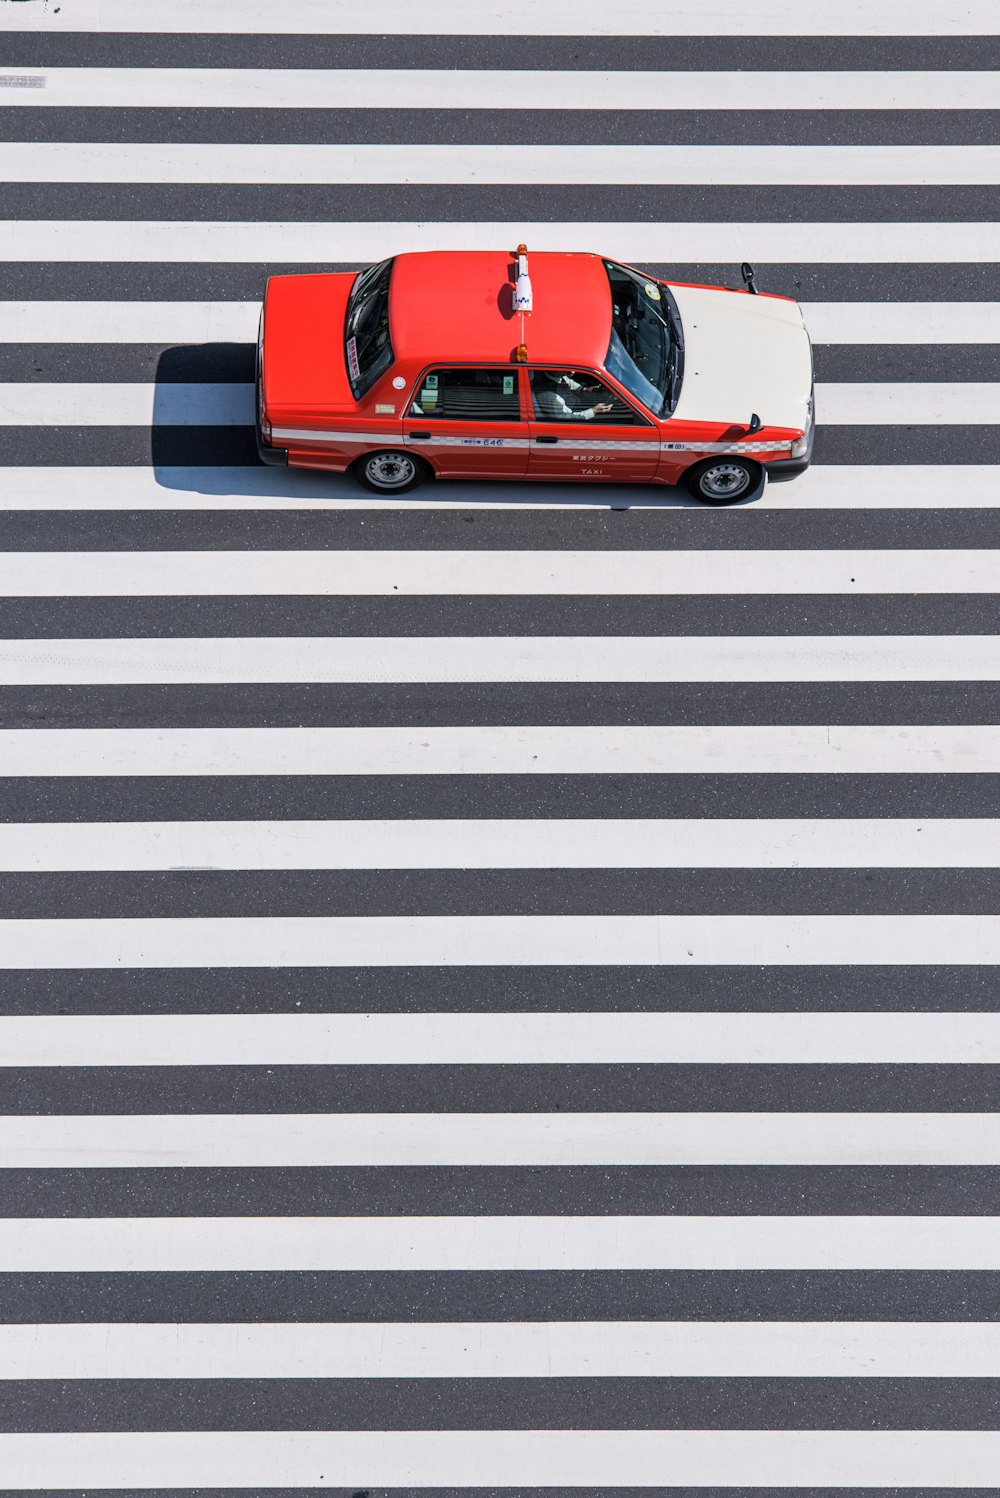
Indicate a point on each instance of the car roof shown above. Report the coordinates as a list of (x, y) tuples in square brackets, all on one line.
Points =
[(455, 305)]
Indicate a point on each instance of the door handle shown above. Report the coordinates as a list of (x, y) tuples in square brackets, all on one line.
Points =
[(545, 438), (417, 437)]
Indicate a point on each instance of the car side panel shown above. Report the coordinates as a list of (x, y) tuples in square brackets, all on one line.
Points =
[(468, 445), (595, 451), (333, 439), (586, 451), (686, 444), (334, 442), (469, 449)]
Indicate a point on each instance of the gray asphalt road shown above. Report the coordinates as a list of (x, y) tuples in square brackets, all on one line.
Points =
[(370, 1120)]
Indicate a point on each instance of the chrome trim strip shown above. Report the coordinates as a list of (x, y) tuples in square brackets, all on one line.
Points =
[(566, 444), (574, 444), (307, 434), (388, 439), (729, 447)]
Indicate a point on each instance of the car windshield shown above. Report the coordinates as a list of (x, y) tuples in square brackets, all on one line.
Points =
[(646, 339), (368, 350)]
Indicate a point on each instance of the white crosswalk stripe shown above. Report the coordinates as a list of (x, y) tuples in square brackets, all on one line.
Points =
[(204, 322), (493, 1242), (482, 843), (501, 941), (109, 404), (497, 995), (834, 18), (626, 750), (511, 88), (512, 1350), (509, 659), (303, 243), (181, 487), (511, 1458), (302, 1140), (510, 1039), (575, 165), (76, 574)]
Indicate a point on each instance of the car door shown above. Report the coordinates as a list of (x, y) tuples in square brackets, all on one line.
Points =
[(467, 422), (582, 428)]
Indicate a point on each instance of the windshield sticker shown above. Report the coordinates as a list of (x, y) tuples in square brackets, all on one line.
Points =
[(428, 397), (508, 384), (431, 382), (381, 409), (354, 368), (653, 292)]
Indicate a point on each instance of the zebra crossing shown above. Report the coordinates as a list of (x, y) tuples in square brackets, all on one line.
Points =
[(497, 993)]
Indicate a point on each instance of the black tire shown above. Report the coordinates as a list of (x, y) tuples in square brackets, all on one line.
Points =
[(390, 471), (724, 480)]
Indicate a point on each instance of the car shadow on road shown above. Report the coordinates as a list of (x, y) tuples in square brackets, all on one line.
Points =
[(203, 408), (202, 442)]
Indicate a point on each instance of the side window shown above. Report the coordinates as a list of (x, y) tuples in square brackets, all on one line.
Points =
[(468, 395), (578, 395)]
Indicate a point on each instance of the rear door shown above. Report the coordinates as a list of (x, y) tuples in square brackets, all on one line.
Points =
[(582, 428), (467, 422)]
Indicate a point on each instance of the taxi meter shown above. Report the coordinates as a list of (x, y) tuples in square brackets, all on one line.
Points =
[(471, 365)]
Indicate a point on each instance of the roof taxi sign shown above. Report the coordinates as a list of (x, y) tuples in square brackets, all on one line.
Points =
[(522, 299)]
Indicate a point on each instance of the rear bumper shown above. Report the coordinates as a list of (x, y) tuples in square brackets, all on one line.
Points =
[(275, 457)]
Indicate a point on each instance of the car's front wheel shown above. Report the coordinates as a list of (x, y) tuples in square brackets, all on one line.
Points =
[(723, 481), (390, 472)]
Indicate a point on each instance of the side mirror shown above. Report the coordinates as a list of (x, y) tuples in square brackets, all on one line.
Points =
[(747, 272), (755, 424)]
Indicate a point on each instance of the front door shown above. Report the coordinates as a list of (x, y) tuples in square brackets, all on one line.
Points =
[(467, 422), (582, 428)]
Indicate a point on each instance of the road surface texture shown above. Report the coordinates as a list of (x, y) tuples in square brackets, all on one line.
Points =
[(499, 993)]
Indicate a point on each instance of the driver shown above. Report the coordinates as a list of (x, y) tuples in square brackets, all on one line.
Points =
[(547, 389)]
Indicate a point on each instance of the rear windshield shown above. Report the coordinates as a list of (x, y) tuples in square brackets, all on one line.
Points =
[(646, 341), (368, 350)]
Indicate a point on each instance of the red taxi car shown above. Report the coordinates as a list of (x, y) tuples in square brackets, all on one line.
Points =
[(465, 365)]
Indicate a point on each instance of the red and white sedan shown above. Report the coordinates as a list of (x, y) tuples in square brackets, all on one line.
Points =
[(474, 365)]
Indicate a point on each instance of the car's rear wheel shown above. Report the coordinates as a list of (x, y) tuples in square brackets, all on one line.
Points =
[(723, 481), (390, 472)]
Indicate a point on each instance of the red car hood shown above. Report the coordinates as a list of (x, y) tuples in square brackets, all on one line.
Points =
[(305, 369)]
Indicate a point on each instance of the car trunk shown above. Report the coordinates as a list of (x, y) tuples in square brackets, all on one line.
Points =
[(305, 370)]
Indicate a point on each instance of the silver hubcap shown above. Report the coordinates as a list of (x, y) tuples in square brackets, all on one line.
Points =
[(724, 480), (390, 470)]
